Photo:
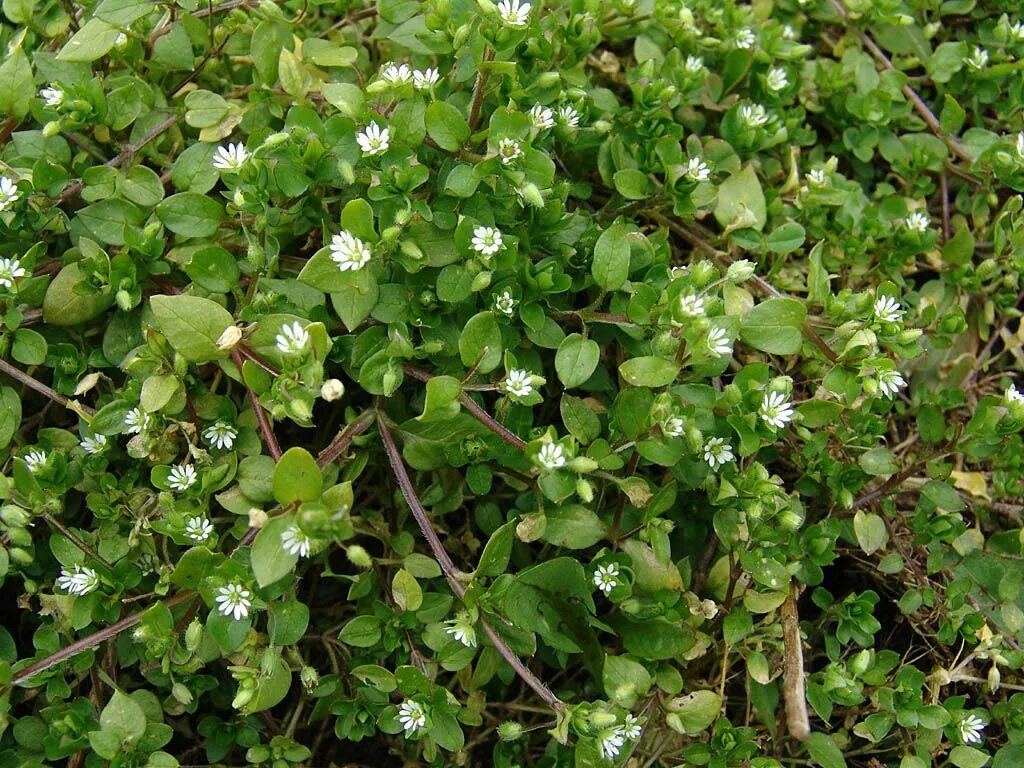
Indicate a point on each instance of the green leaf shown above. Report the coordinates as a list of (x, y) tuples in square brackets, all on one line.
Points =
[(357, 220), (361, 632), (192, 325), (625, 680), (576, 360), (573, 526), (579, 419), (214, 269), (824, 752), (442, 399), (15, 84), (29, 347), (787, 238), (91, 42), (270, 561), (775, 326), (287, 622), (741, 203), (406, 591), (69, 300), (123, 715), (481, 341), (205, 109), (632, 184), (354, 296), (10, 415), (297, 477), (191, 214), (1009, 757), (870, 531), (157, 391), (446, 126), (649, 371), (611, 258), (123, 12), (497, 551), (878, 461), (696, 711)]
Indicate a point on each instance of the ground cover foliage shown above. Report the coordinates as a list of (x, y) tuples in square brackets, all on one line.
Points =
[(518, 384)]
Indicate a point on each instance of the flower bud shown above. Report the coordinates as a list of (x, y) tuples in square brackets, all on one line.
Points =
[(257, 517), (549, 79), (601, 720), (275, 139), (310, 678), (14, 516), (994, 678), (602, 126), (358, 556), (510, 731), (481, 281), (332, 390), (238, 198), (51, 129), (583, 465), (740, 271), (584, 490), (21, 556), (181, 694), (124, 300), (244, 696), (531, 194), (268, 661), (194, 634), (231, 336)]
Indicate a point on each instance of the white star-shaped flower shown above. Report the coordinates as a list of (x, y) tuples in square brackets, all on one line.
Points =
[(789, 33), (718, 342), (292, 339), (918, 222), (971, 729), (52, 95), (349, 252), (631, 727), (776, 79), (610, 741), (295, 542), (220, 435), (182, 477), (745, 39), (551, 456), (234, 600), (519, 383), (514, 13), (462, 629), (818, 177), (486, 240), (568, 115), (978, 58), (673, 427), (10, 270), (8, 193), (136, 420), (698, 170), (373, 140), (93, 444), (542, 117), (717, 452), (505, 303), (1017, 30), (694, 64), (509, 150), (691, 305), (397, 74), (78, 580), (888, 310), (426, 79), (891, 382), (606, 577), (776, 410), (198, 529), (34, 460), (1013, 396), (412, 716), (753, 115), (230, 158)]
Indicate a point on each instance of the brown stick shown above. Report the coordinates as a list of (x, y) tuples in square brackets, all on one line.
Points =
[(451, 572), (795, 693), (266, 430), (23, 378), (345, 437)]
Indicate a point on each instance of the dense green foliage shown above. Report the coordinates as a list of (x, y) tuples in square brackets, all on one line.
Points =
[(457, 383)]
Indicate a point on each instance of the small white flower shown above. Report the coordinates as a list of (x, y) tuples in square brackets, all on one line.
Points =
[(295, 542), (606, 577), (694, 64), (462, 629), (505, 303), (234, 600), (917, 222), (136, 421), (776, 410), (397, 74), (776, 79), (412, 716), (373, 140), (698, 170), (568, 115), (717, 452), (52, 96), (677, 272), (34, 460), (292, 339), (818, 177), (1017, 30), (1020, 145), (349, 252), (718, 342), (519, 383), (551, 456), (220, 435), (78, 580), (93, 444), (486, 240), (1012, 396), (230, 158), (971, 728), (198, 529), (691, 305), (181, 478), (745, 39), (673, 427), (10, 270), (978, 58), (631, 727), (8, 193), (514, 13), (610, 742), (888, 310), (332, 389), (789, 33), (891, 382), (121, 40), (753, 115), (425, 80), (509, 150), (542, 116)]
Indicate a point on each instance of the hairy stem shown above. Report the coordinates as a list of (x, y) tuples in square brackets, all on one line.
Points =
[(23, 378), (345, 437), (266, 430)]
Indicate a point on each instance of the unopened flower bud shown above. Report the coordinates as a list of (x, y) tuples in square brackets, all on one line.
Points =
[(231, 336), (739, 271), (584, 490), (549, 79), (332, 390), (993, 678), (310, 678), (238, 198), (481, 281), (582, 464), (124, 300), (531, 194), (257, 517), (194, 634), (275, 139), (358, 556), (601, 720), (181, 694), (510, 731), (51, 129)]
